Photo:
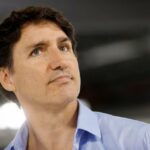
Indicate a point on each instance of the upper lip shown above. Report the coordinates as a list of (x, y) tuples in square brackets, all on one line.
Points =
[(67, 75)]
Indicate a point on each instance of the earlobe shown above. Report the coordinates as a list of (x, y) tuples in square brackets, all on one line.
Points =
[(6, 79)]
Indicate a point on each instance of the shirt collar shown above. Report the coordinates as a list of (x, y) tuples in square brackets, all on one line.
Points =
[(20, 140), (87, 120)]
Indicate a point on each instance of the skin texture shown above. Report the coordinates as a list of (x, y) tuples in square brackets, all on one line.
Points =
[(46, 81)]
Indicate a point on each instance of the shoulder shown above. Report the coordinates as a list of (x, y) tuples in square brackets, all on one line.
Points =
[(121, 121), (123, 131), (117, 123)]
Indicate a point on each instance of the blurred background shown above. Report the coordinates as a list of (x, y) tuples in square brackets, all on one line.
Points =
[(113, 52)]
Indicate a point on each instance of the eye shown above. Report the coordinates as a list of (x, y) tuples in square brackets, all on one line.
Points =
[(64, 48), (37, 51)]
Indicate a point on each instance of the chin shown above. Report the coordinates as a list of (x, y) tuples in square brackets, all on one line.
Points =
[(64, 99), (63, 95)]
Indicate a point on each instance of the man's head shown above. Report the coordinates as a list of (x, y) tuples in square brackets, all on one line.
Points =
[(14, 27)]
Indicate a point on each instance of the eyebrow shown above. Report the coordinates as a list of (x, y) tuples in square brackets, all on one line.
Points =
[(36, 44), (63, 39), (44, 42)]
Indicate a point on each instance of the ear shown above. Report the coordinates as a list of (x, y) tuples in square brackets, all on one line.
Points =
[(6, 79)]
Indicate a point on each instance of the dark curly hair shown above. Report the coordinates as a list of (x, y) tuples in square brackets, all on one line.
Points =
[(10, 33)]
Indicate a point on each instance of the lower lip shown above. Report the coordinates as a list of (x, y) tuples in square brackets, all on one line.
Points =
[(62, 80)]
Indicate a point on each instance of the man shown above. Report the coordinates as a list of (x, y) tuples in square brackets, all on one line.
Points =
[(39, 68)]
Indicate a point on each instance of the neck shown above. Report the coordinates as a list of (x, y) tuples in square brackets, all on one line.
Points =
[(47, 127)]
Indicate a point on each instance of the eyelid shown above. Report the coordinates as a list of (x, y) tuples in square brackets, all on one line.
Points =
[(67, 44), (39, 48)]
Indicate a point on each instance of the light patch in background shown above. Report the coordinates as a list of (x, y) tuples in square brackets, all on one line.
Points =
[(11, 116)]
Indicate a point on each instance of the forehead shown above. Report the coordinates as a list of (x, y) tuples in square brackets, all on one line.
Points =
[(33, 33), (40, 28)]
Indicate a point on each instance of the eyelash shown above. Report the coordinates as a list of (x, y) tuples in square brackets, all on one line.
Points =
[(67, 48), (36, 50)]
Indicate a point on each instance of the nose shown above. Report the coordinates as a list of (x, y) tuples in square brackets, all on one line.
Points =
[(58, 61)]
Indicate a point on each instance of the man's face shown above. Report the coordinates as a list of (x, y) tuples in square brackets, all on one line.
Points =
[(45, 67)]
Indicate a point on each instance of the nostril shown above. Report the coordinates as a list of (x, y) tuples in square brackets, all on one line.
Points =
[(59, 68), (59, 65)]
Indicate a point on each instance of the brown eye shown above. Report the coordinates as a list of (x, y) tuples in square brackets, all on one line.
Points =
[(64, 48)]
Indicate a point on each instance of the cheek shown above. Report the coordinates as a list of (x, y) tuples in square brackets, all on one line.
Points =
[(77, 73), (77, 68), (27, 78), (25, 85)]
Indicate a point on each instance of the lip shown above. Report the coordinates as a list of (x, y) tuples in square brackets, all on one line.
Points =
[(61, 78)]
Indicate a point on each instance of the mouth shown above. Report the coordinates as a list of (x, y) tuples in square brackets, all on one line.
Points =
[(65, 78)]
